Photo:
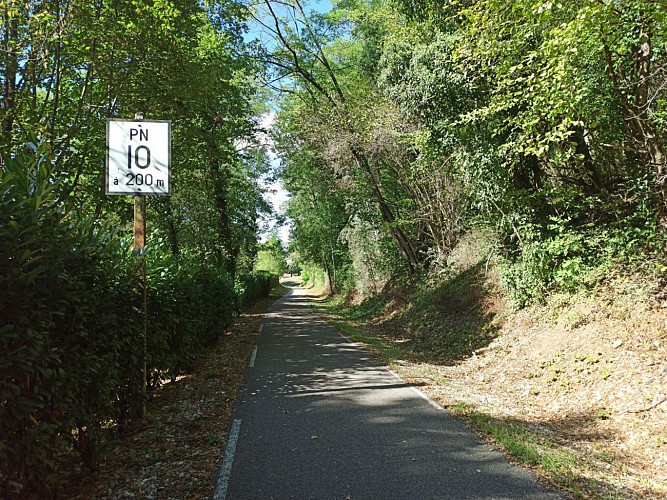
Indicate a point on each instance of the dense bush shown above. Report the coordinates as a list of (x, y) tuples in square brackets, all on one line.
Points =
[(313, 275), (579, 243), (250, 287), (42, 261), (71, 331)]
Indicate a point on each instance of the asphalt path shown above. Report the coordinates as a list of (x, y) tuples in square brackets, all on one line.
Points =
[(320, 419)]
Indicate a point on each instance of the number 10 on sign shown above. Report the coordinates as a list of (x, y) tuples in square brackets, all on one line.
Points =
[(138, 157)]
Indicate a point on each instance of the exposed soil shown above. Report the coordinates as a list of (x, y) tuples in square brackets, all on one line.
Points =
[(592, 376), (177, 453)]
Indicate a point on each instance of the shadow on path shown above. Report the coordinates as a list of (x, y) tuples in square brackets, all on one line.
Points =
[(319, 418)]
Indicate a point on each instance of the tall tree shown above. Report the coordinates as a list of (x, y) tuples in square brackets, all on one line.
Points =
[(340, 100)]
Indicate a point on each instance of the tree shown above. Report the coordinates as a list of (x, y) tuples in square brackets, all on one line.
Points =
[(271, 256), (542, 119), (535, 87), (340, 104), (71, 353)]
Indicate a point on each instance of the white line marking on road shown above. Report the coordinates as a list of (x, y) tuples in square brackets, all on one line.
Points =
[(252, 358), (427, 399), (226, 469), (261, 328), (397, 376)]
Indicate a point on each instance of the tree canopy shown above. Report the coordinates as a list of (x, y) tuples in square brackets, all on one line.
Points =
[(414, 121), (70, 303)]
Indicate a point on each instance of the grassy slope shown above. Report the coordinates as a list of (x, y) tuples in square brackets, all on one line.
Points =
[(575, 388)]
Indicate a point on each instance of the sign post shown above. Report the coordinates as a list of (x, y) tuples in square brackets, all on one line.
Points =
[(139, 163), (139, 244)]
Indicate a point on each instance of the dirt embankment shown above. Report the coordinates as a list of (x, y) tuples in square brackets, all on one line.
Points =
[(592, 376), (586, 372)]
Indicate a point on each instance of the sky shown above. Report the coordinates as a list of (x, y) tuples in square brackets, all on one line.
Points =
[(276, 194)]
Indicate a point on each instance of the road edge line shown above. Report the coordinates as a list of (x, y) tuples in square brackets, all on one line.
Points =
[(421, 394), (226, 467), (253, 357)]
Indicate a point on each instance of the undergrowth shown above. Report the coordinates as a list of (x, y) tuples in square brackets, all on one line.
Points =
[(441, 324), (557, 463)]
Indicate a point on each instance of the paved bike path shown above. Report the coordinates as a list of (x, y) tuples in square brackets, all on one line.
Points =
[(319, 419)]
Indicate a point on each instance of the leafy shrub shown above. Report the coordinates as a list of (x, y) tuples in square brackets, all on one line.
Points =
[(71, 332), (191, 301), (575, 250), (65, 304), (313, 275), (251, 287)]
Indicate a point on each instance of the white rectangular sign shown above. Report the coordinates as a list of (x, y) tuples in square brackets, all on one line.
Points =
[(138, 157)]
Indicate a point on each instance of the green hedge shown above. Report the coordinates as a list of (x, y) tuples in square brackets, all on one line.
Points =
[(71, 368), (250, 287)]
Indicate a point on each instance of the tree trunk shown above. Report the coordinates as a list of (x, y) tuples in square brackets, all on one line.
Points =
[(658, 161), (327, 270), (11, 68), (582, 150), (637, 110), (230, 250), (401, 240)]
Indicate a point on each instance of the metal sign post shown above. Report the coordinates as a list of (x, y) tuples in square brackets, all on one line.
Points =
[(139, 162)]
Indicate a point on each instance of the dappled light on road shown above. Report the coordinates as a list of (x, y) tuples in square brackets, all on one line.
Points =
[(320, 418)]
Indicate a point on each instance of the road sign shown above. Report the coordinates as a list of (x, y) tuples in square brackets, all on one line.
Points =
[(138, 157)]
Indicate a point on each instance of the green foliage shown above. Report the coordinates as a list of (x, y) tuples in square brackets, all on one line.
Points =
[(251, 287), (71, 335), (271, 257), (190, 302), (57, 333), (372, 260), (313, 275), (317, 206), (530, 109), (569, 252), (70, 332), (335, 135)]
